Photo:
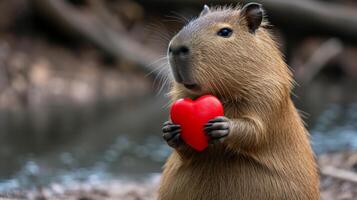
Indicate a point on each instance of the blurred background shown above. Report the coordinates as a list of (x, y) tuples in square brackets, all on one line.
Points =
[(83, 88)]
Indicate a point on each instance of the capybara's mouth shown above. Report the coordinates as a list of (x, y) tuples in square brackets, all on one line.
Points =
[(190, 86)]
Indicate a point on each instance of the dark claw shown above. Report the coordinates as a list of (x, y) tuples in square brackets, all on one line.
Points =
[(172, 134), (167, 123), (216, 126), (170, 128), (169, 135), (217, 129), (176, 141), (218, 119), (216, 134)]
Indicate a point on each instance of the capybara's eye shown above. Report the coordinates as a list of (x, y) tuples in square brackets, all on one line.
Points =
[(225, 32)]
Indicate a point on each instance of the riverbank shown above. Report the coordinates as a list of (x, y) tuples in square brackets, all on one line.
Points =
[(338, 181)]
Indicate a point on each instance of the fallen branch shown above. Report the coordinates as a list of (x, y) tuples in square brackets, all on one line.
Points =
[(341, 174), (327, 51)]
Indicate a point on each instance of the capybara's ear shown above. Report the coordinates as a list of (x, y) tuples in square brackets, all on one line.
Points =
[(252, 13), (205, 10)]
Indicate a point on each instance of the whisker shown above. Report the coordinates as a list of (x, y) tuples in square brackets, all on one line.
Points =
[(164, 71), (157, 68), (174, 20), (164, 84), (178, 16), (158, 75), (162, 33), (158, 60)]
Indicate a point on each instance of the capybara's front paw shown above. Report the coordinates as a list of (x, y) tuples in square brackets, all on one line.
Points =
[(217, 129), (172, 134)]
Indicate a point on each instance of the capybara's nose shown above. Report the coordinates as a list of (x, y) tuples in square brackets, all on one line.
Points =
[(179, 56), (181, 51)]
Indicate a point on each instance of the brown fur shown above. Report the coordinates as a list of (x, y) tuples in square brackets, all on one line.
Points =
[(267, 154)]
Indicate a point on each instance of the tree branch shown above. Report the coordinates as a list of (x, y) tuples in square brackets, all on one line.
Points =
[(115, 42)]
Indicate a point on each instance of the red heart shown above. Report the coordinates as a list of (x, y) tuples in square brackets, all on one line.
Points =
[(193, 115)]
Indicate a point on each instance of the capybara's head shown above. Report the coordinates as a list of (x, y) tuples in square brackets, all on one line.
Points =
[(228, 52)]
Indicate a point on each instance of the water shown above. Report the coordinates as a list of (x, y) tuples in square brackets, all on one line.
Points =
[(125, 143), (124, 159), (335, 129)]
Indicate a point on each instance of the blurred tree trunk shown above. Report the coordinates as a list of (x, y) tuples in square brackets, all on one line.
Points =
[(302, 16)]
